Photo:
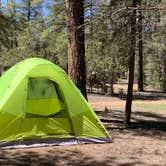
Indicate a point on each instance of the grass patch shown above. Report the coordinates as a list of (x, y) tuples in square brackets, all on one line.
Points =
[(122, 81), (152, 107)]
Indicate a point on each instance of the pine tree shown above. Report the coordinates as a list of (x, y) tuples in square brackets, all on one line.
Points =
[(131, 65), (140, 51), (76, 46)]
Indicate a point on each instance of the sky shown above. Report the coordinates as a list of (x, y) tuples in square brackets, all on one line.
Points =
[(3, 1), (45, 10)]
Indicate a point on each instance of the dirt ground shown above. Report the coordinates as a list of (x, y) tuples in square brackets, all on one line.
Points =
[(144, 143)]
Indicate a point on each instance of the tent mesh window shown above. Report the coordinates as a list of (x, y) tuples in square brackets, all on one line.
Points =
[(43, 98)]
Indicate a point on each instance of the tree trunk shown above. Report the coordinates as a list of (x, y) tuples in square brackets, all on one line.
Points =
[(140, 52), (112, 84), (164, 68), (13, 14), (91, 21), (76, 45), (29, 10), (131, 66)]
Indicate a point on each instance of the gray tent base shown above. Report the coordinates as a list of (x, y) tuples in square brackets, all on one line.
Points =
[(32, 143)]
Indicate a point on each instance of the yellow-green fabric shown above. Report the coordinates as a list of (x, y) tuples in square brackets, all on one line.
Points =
[(39, 100)]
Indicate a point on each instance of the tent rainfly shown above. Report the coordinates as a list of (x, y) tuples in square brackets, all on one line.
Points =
[(40, 106)]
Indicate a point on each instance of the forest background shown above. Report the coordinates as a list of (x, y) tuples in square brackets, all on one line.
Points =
[(117, 35)]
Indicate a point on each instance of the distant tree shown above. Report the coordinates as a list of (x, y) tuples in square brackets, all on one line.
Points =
[(11, 12), (107, 49), (107, 33), (131, 64), (154, 45), (140, 50), (76, 46), (6, 28)]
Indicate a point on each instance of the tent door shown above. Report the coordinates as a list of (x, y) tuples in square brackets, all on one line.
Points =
[(42, 97)]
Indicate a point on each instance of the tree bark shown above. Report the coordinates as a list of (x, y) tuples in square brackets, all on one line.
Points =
[(29, 10), (112, 84), (91, 21), (76, 45), (131, 66), (140, 52), (164, 68)]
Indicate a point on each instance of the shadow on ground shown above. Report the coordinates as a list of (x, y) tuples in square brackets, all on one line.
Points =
[(50, 158), (146, 95), (59, 157), (143, 123)]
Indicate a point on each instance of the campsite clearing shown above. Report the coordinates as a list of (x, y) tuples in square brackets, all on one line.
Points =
[(143, 144)]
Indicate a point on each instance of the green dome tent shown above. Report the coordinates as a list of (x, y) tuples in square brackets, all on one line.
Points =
[(40, 105)]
